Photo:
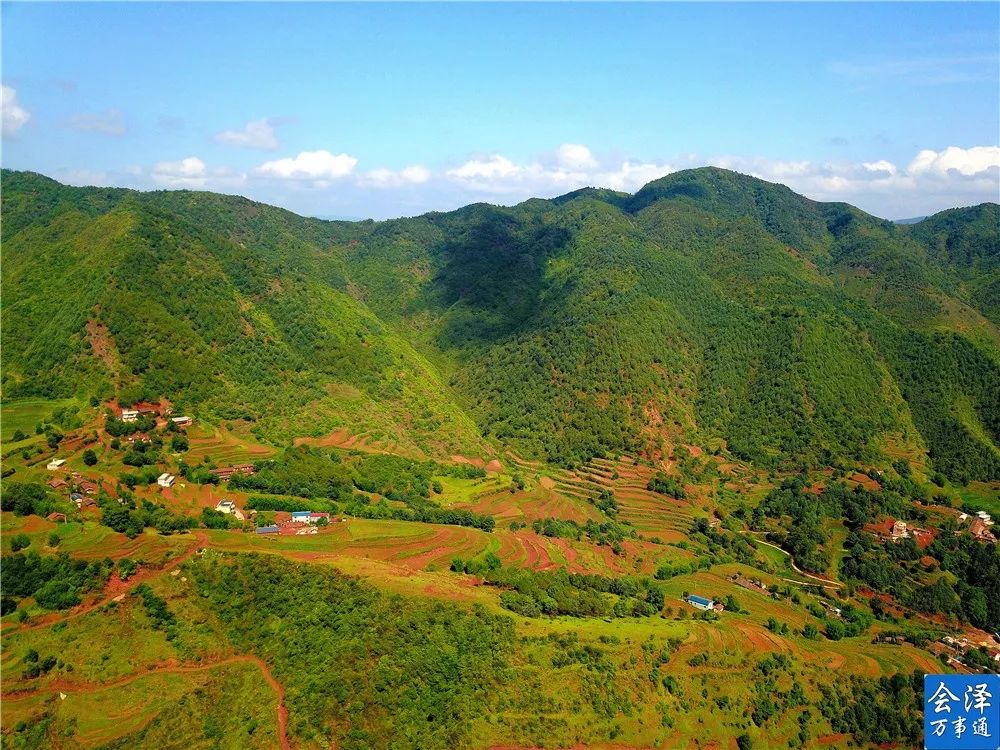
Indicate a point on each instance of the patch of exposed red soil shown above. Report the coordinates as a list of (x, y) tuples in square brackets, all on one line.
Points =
[(100, 342), (831, 739), (201, 539)]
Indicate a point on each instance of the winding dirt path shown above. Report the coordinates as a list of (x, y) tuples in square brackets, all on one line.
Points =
[(172, 667), (827, 583)]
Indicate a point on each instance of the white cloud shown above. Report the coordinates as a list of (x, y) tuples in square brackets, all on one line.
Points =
[(259, 134), (14, 116), (492, 168), (880, 166), (631, 176), (107, 123), (318, 166), (575, 156), (388, 178), (966, 162), (186, 173)]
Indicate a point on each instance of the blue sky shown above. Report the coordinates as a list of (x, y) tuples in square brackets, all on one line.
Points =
[(386, 110)]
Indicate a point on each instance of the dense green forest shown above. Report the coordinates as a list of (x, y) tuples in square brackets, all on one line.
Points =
[(709, 306)]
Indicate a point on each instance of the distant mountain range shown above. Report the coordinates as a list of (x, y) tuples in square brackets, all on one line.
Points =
[(708, 307), (914, 220)]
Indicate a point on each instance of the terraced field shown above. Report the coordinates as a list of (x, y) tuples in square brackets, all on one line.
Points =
[(648, 512), (418, 546), (130, 707), (530, 505), (223, 446)]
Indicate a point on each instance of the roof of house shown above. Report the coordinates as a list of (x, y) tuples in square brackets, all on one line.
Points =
[(267, 530), (699, 600), (301, 513)]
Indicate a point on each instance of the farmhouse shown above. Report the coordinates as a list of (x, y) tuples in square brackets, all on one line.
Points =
[(87, 487), (58, 483), (147, 408), (56, 517), (272, 529), (130, 415), (700, 602), (165, 479), (225, 472), (55, 463), (300, 516), (226, 506), (181, 421)]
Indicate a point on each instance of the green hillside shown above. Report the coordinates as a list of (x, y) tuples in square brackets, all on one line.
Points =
[(709, 307)]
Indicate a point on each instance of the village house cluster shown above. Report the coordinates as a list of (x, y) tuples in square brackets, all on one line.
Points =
[(82, 490), (953, 650)]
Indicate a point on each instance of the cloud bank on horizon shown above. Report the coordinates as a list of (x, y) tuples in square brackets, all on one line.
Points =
[(932, 180)]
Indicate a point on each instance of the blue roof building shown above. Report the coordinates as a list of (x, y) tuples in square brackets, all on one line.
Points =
[(700, 602), (267, 529), (301, 516)]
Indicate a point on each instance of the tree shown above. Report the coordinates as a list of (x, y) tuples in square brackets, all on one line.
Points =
[(178, 443), (18, 436), (19, 542), (89, 457), (54, 539), (743, 742)]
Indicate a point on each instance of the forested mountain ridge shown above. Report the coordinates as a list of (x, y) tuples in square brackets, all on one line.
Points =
[(709, 306)]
